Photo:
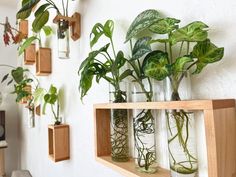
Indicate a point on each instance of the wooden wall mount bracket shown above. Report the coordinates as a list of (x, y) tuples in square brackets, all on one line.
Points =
[(74, 22), (58, 142), (220, 129), (38, 110), (30, 55), (23, 27), (43, 62)]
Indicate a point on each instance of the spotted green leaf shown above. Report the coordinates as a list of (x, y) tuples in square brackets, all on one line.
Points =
[(141, 47), (180, 64)]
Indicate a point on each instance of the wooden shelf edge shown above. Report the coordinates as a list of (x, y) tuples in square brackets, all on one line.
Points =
[(189, 105), (128, 168)]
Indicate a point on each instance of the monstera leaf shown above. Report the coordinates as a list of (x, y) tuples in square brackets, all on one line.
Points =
[(164, 26), (142, 22), (206, 52), (180, 63), (193, 32), (25, 11), (141, 47), (155, 65)]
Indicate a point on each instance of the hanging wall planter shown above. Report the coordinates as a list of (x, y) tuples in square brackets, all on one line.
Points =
[(58, 142), (43, 62), (30, 55), (23, 27), (64, 24)]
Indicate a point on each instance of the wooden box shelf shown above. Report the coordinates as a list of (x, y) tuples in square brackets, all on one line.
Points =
[(23, 27), (220, 129), (43, 62), (58, 142), (30, 55)]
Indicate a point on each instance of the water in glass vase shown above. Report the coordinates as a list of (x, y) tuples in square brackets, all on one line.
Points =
[(119, 127), (63, 39)]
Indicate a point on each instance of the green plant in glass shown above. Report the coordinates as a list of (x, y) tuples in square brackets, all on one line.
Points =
[(100, 64), (179, 50)]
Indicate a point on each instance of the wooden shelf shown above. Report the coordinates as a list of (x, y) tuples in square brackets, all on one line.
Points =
[(220, 129), (58, 142), (30, 55), (43, 62)]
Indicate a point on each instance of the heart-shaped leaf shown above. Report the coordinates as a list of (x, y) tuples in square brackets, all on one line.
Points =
[(18, 74), (206, 52), (179, 65), (142, 22), (164, 26), (193, 32), (155, 65), (40, 21), (141, 47)]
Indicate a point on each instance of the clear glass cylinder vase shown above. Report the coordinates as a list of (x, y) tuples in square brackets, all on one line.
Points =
[(31, 118), (144, 132), (181, 128), (63, 36), (119, 125)]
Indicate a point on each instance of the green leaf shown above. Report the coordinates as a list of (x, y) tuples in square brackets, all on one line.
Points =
[(142, 22), (38, 96), (206, 52), (96, 33), (85, 82), (47, 30), (164, 26), (40, 21), (160, 40), (26, 9), (10, 82), (108, 28), (179, 65), (119, 62), (155, 65), (193, 32), (141, 47), (53, 90), (41, 9), (4, 78), (18, 74), (26, 44), (125, 74)]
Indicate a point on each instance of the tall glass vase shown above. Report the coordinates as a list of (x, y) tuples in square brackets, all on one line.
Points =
[(144, 132), (63, 39), (181, 129), (119, 125), (31, 118)]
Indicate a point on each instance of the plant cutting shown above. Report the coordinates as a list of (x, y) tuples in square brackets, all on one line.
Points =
[(101, 64), (185, 48)]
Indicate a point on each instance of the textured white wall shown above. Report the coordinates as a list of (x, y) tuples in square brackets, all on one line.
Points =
[(8, 56), (217, 81)]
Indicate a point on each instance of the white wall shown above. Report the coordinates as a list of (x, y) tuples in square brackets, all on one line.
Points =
[(216, 81), (8, 56)]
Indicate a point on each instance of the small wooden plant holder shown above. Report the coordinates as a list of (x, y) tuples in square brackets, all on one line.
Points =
[(43, 62), (30, 55), (23, 27), (74, 23), (28, 89), (38, 110), (58, 142)]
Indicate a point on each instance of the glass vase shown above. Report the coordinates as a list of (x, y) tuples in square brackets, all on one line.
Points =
[(119, 125), (144, 132), (63, 36), (181, 128), (31, 118)]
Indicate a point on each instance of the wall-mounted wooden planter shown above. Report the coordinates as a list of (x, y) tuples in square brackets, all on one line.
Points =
[(58, 142), (43, 62), (28, 89), (220, 129), (38, 110), (74, 22), (23, 27), (30, 55)]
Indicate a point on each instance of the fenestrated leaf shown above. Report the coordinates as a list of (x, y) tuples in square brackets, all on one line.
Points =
[(193, 32), (155, 65), (108, 28), (164, 26), (26, 44), (40, 21), (180, 63), (142, 22), (206, 52), (27, 7), (18, 74), (96, 33), (41, 9), (4, 78), (125, 74), (141, 47)]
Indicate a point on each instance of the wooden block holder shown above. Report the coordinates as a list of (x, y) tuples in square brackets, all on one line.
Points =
[(74, 22), (220, 129), (30, 55), (43, 62), (38, 110), (58, 142), (23, 27)]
